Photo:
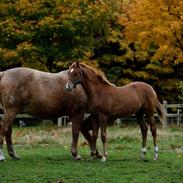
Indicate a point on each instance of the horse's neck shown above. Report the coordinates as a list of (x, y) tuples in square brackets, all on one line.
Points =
[(94, 87)]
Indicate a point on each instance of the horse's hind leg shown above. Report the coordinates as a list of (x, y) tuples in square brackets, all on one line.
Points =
[(151, 121), (144, 129), (8, 118), (103, 126), (94, 150), (76, 126), (9, 143)]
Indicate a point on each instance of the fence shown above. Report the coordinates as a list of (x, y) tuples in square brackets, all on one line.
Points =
[(62, 121), (174, 115)]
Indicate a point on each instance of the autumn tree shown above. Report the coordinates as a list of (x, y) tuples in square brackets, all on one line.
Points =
[(151, 49), (129, 40)]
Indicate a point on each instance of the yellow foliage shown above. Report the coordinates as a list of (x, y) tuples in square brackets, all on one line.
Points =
[(179, 60), (7, 54)]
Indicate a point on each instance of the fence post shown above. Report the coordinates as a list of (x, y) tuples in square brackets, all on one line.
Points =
[(165, 109), (59, 122), (178, 117), (62, 121)]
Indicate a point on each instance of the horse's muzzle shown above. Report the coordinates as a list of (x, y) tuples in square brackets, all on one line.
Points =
[(68, 86)]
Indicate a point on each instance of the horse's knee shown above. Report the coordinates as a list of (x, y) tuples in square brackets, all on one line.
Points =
[(94, 136)]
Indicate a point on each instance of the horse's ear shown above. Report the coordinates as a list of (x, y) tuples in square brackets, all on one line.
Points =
[(70, 62), (77, 63)]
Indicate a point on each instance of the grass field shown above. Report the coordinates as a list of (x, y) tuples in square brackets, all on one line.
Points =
[(45, 158)]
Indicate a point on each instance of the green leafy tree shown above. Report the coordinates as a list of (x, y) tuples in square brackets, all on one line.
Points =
[(45, 34), (181, 91)]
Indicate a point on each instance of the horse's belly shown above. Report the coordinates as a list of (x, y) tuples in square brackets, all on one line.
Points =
[(43, 111), (126, 110)]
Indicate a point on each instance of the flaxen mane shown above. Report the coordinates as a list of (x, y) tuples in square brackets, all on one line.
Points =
[(99, 73)]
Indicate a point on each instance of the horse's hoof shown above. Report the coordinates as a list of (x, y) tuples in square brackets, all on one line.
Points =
[(90, 158), (103, 159), (2, 159), (142, 157), (15, 157), (155, 159), (78, 157), (98, 156)]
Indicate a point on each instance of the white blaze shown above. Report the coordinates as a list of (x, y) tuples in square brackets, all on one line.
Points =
[(72, 70)]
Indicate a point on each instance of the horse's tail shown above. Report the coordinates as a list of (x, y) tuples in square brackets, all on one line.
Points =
[(161, 113)]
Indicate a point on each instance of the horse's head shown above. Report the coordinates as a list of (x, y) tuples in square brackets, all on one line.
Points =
[(75, 75)]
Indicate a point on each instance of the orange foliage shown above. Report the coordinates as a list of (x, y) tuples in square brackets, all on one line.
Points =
[(160, 22)]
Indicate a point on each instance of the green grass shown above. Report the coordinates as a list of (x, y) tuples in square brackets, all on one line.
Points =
[(45, 158)]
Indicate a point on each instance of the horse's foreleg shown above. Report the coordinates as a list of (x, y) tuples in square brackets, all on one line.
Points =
[(103, 124), (76, 123), (9, 143), (143, 128)]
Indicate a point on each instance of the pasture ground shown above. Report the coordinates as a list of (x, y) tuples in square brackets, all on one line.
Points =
[(45, 157)]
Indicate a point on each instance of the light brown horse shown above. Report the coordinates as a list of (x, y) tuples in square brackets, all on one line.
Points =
[(106, 102), (40, 94)]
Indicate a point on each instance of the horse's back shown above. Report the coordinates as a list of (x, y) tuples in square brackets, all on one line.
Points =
[(39, 93), (139, 87), (132, 97)]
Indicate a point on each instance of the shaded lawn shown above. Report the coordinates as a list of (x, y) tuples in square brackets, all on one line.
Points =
[(51, 162)]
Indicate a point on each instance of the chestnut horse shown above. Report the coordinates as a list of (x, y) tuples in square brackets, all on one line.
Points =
[(40, 94), (106, 102)]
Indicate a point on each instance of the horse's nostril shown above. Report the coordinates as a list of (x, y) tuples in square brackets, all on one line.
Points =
[(67, 88)]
